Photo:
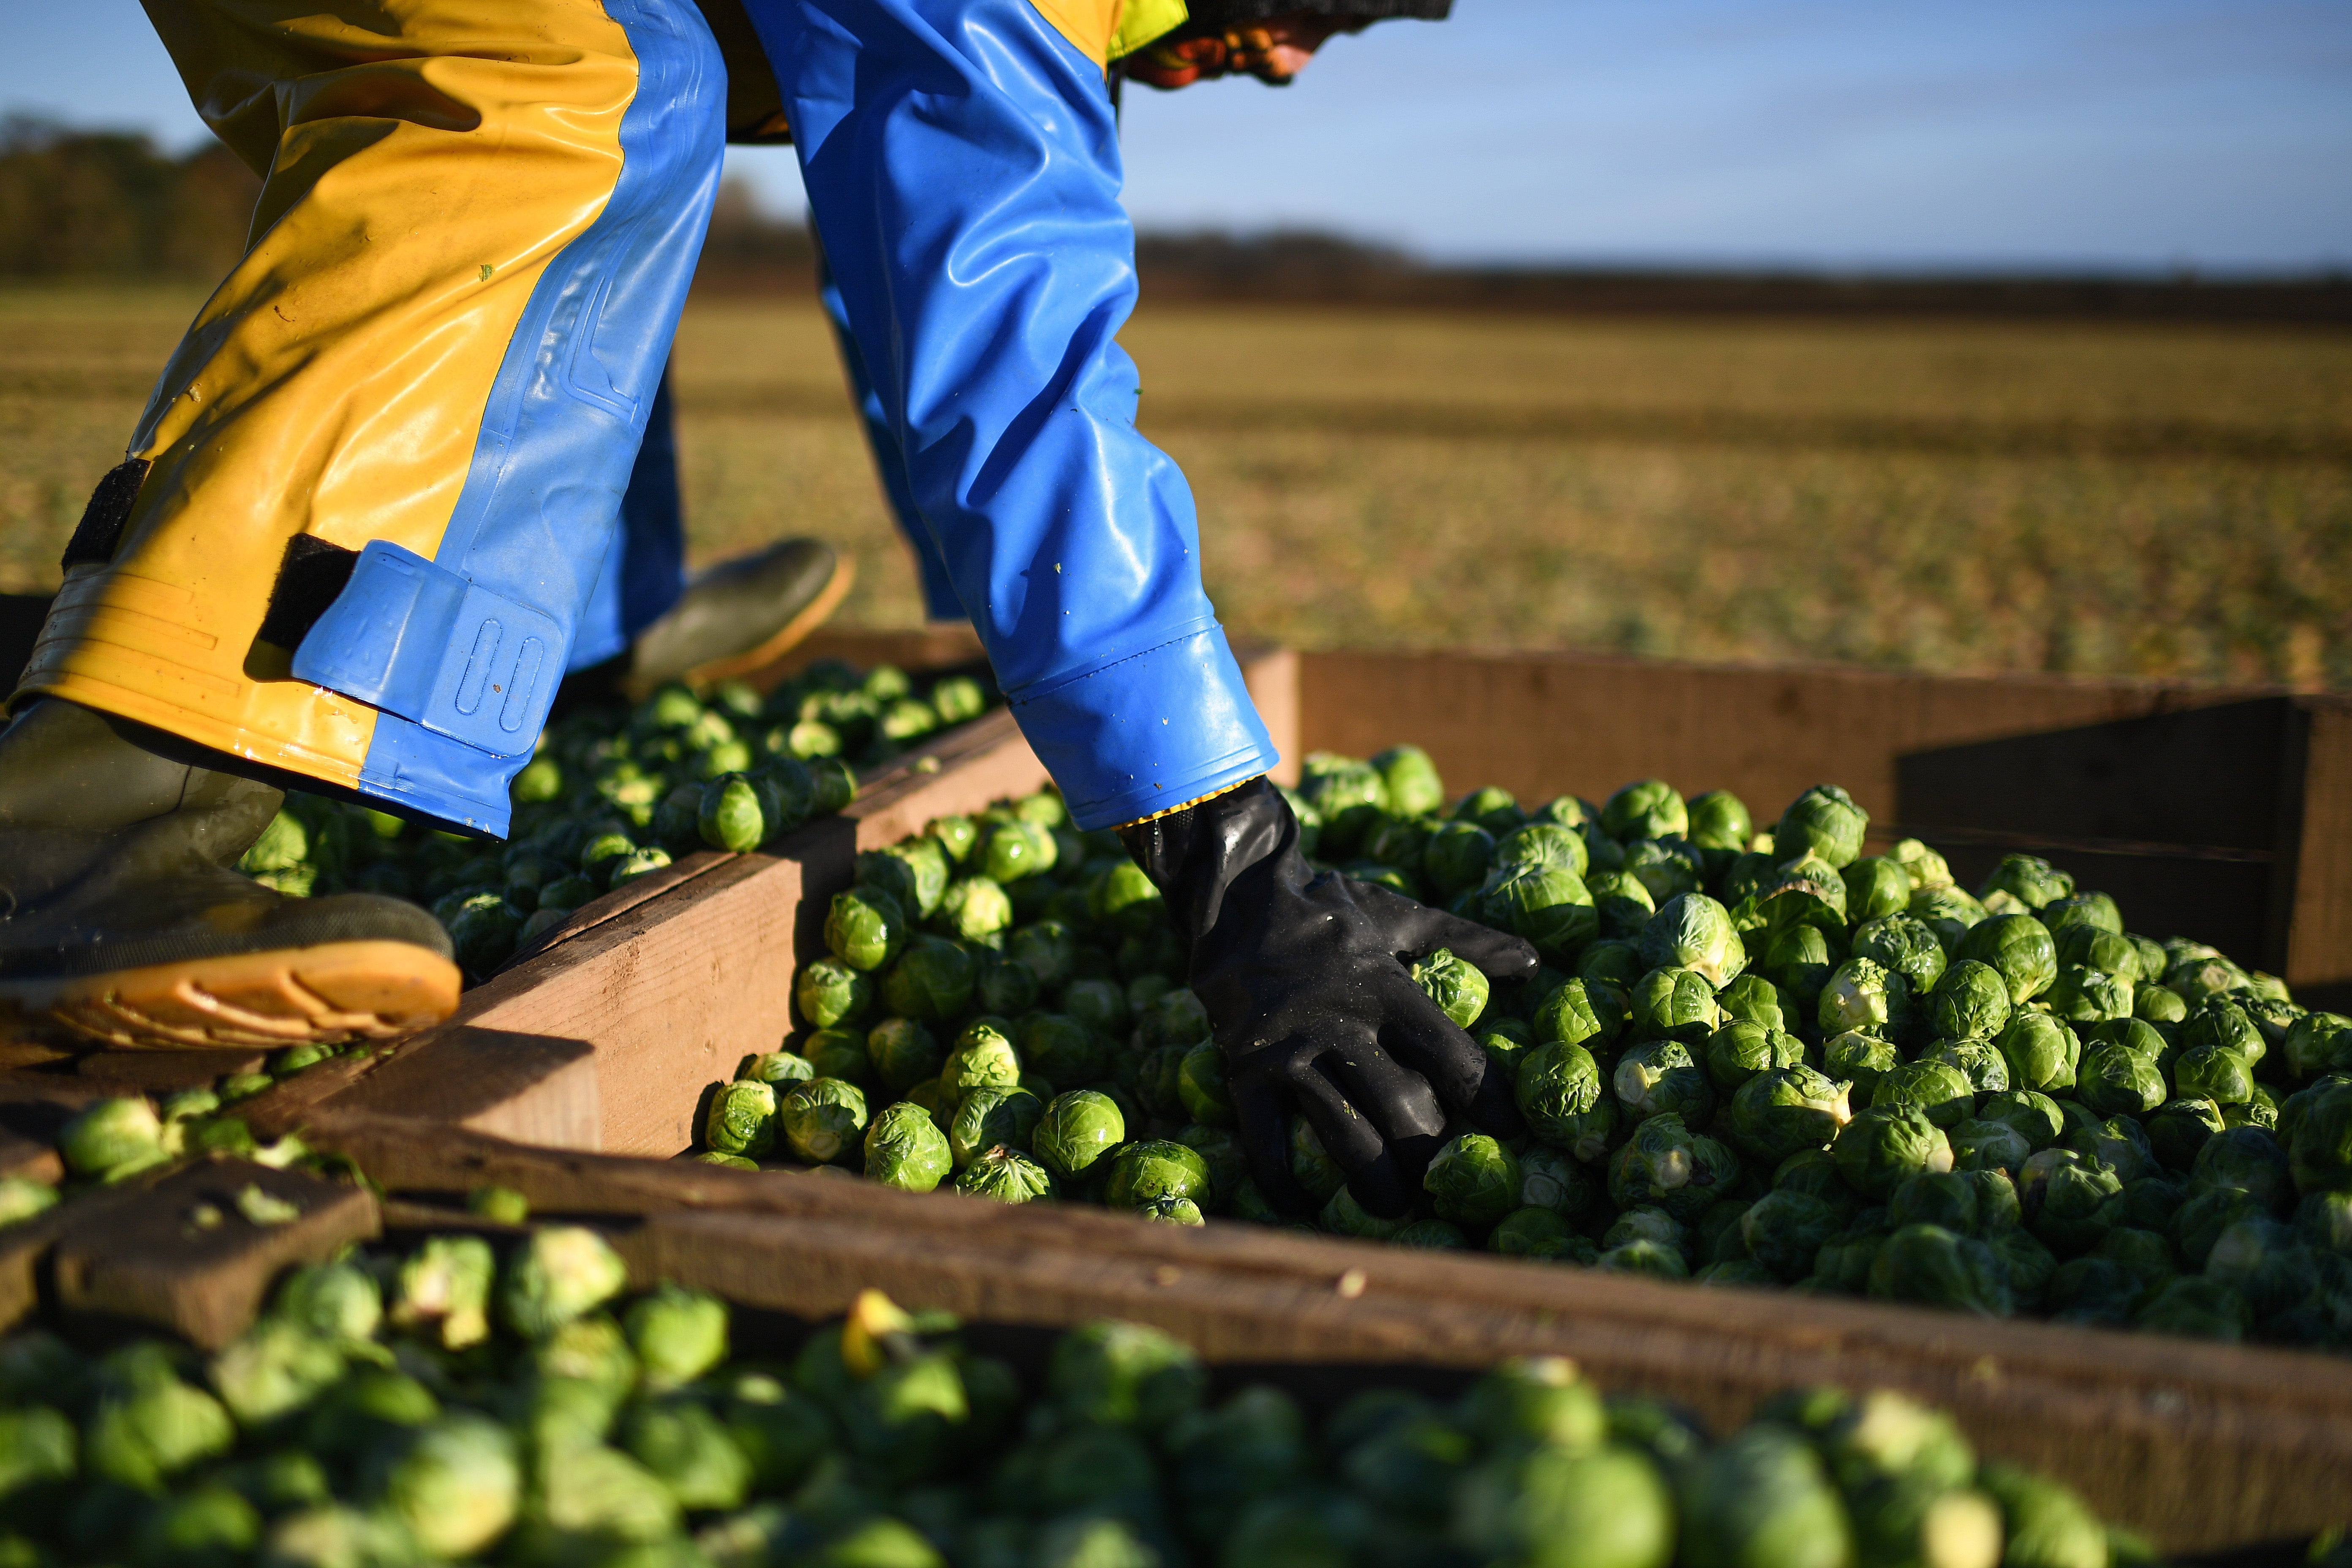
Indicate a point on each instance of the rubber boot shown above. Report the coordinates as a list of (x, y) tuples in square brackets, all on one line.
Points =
[(738, 616), (122, 917)]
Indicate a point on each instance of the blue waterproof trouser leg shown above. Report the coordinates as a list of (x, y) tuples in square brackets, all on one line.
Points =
[(644, 570)]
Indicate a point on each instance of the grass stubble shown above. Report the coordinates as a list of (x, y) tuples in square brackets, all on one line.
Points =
[(2143, 500)]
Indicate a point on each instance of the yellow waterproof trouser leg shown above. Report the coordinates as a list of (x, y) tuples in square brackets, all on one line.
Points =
[(427, 376)]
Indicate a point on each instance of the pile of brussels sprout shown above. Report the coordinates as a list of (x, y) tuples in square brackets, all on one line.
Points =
[(1759, 1059), (614, 793), (446, 1404)]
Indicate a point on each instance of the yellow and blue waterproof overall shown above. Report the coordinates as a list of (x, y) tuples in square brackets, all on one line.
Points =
[(369, 515)]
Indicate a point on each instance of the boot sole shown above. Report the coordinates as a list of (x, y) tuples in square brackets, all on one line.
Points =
[(333, 994), (787, 638)]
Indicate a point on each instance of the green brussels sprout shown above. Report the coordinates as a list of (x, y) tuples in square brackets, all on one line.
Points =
[(2023, 883), (1060, 1049), (1154, 1168), (1047, 948), (684, 1445), (1876, 886), (1979, 1061), (1343, 1216), (1861, 1060), (1736, 1052), (902, 1053), (2094, 912), (1865, 994), (1410, 785), (1799, 953), (2318, 1043), (274, 1368), (1648, 1222), (1201, 1084), (837, 1052), (455, 1485), (932, 980), (1124, 1374), (2321, 1157), (2323, 1220), (905, 1149), (148, 1426), (334, 1300), (1540, 844), (2249, 1159), (981, 1058), (1648, 808), (1099, 1004), (974, 909), (112, 1139), (1946, 1198), (2219, 1021), (1970, 1002), (830, 991), (1491, 807), (1667, 869), (1458, 987), (1760, 1500), (1823, 821), (985, 1118), (1657, 1077), (2045, 1525), (2042, 1053), (1623, 904), (773, 1068), (2213, 1072), (1692, 932), (1124, 899), (1982, 1145), (559, 1273), (22, 1197), (2018, 946), (1884, 1144), (1013, 850), (1675, 1004), (1936, 1090), (741, 1119), (1930, 1264), (2114, 1080), (446, 1286), (1784, 1111), (1998, 1205), (2093, 947), (1643, 1257), (957, 836), (38, 1444), (1750, 998), (1666, 1164), (2180, 1129), (1785, 1230), (1948, 912), (1579, 1012), (1530, 1232), (1549, 1179), (1903, 943), (2084, 996), (1925, 869), (822, 1120), (1004, 1173), (2061, 1193), (1317, 1173), (1547, 906), (1718, 820), (732, 816), (865, 928), (1458, 854), (1472, 1181)]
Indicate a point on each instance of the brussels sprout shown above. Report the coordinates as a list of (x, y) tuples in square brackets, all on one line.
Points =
[(1675, 1004), (1738, 1051), (837, 1053), (2176, 1132), (1660, 1077), (1014, 850), (773, 1068), (905, 1149), (1760, 1500), (830, 991), (1692, 932), (1750, 998), (981, 1058), (1154, 1168), (1648, 808), (1876, 886), (1885, 1436), (1124, 1374), (731, 815), (1904, 944), (1541, 843), (1060, 1049), (1648, 1222), (1970, 1002), (2042, 1053), (334, 1300), (1549, 1179), (1718, 820), (865, 928), (1623, 904), (1004, 1173), (1472, 1181), (974, 909), (1547, 906), (1979, 1061), (1806, 891), (2061, 1192), (2023, 883), (1784, 1111), (1859, 1060), (932, 980), (1343, 1216), (2203, 1309), (902, 1054), (2091, 912), (986, 1117), (1528, 1232), (2219, 1021), (559, 1273), (1947, 1198), (38, 1444), (1948, 912), (2318, 1043), (1884, 1144), (2045, 1524), (2082, 994), (1456, 985), (2213, 1072), (2114, 1080), (1493, 808), (1865, 994), (1930, 1264), (741, 1119), (2321, 1156), (1557, 1083), (275, 1368), (1923, 866), (2324, 1220), (1785, 1229), (113, 1139), (2020, 948), (822, 1120), (2097, 948), (1577, 1013), (1667, 869), (1982, 1145), (1643, 1257), (1663, 1163), (1458, 854), (1938, 1090), (22, 1197)]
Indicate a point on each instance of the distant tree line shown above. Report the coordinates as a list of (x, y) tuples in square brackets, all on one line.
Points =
[(106, 204)]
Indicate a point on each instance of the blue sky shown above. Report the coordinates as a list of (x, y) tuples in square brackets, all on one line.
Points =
[(1828, 133)]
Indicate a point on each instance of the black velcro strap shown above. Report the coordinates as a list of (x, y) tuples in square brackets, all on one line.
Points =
[(310, 577), (100, 529)]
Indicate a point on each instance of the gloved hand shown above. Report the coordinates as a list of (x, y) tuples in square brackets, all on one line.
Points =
[(1303, 978)]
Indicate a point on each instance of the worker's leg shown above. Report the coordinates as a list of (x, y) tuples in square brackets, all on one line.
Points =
[(362, 513), (644, 569), (365, 508)]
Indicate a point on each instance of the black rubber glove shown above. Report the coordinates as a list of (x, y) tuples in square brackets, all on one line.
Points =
[(1305, 982)]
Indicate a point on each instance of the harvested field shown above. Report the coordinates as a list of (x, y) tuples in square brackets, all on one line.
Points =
[(2149, 499)]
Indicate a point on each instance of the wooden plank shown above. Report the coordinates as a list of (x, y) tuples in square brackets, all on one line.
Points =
[(2319, 897), (530, 1089), (1541, 724), (162, 1072), (2202, 1445), (184, 1258)]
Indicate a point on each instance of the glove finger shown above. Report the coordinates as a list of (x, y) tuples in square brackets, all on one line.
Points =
[(1398, 1101), (1264, 1112), (1418, 1034), (1418, 930), (1356, 1145)]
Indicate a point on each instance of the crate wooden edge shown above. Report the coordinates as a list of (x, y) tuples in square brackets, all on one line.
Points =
[(2202, 1445)]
